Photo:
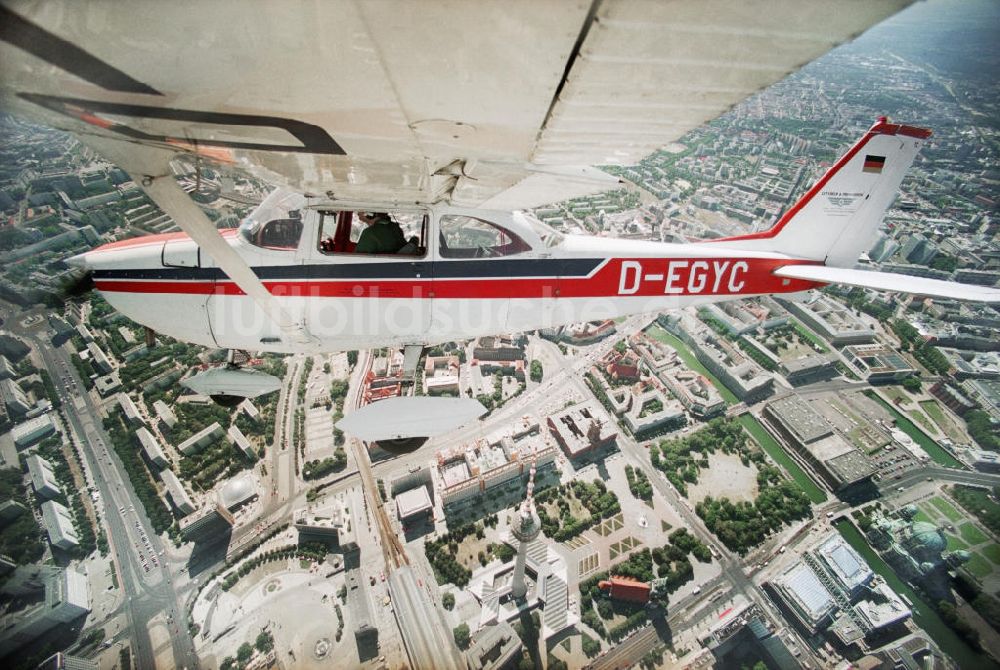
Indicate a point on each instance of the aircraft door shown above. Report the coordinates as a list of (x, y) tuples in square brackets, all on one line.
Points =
[(363, 299), (475, 271)]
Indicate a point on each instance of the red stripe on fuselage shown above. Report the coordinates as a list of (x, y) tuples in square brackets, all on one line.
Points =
[(619, 277), (153, 239)]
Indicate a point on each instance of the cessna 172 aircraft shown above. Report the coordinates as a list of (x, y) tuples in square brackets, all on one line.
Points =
[(446, 116)]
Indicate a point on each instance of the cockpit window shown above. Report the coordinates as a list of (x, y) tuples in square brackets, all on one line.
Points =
[(467, 237), (404, 232), (277, 223)]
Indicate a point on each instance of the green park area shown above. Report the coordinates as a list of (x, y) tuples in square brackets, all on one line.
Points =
[(739, 525), (567, 510), (962, 534)]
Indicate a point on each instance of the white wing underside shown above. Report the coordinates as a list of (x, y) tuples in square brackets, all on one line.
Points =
[(890, 281), (502, 103)]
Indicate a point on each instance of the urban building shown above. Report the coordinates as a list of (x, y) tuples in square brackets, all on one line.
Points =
[(151, 447), (985, 461), (642, 418), (441, 375), (107, 384), (805, 597), (589, 332), (58, 524), (175, 489), (10, 510), (248, 408), (129, 409), (414, 505), (494, 471), (32, 430), (66, 598), (239, 491), (201, 439), (495, 647), (695, 392), (878, 363), (241, 442), (740, 317), (809, 369), (43, 479), (833, 321), (626, 588), (61, 661), (917, 550), (621, 366), (823, 448), (85, 333), (100, 359), (213, 522), (330, 526), (833, 589), (7, 370), (165, 415), (986, 394), (502, 348), (579, 430), (745, 378), (747, 628), (14, 399)]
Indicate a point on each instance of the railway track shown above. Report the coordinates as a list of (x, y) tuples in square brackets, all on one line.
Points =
[(392, 548)]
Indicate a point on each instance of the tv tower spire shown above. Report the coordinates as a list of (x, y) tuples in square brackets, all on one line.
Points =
[(525, 528)]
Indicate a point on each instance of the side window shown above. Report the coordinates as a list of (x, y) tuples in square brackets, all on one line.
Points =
[(468, 237), (388, 233), (281, 234)]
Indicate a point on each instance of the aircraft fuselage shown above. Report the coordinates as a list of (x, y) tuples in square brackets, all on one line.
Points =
[(440, 293)]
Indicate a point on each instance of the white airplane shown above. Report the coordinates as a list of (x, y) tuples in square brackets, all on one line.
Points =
[(446, 116)]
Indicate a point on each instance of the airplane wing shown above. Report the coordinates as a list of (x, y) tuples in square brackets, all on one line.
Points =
[(891, 281), (497, 103)]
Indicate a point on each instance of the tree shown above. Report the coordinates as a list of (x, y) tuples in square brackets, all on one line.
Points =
[(244, 653), (461, 633), (591, 647), (448, 601), (536, 371), (912, 384), (265, 642)]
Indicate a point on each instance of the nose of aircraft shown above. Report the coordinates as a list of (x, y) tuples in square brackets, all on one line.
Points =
[(78, 261)]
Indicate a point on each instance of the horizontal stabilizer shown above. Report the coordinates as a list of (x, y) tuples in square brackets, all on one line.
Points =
[(889, 281), (398, 418)]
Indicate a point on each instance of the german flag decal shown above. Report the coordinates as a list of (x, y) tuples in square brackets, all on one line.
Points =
[(873, 163)]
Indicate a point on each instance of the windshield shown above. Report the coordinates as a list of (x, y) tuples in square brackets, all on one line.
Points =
[(277, 222), (550, 236)]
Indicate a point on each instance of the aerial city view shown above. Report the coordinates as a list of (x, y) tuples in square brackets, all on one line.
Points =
[(804, 479)]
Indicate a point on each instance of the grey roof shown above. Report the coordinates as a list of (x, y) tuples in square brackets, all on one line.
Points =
[(804, 586)]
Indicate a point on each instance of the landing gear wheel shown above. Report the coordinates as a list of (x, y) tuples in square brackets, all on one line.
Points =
[(227, 400), (404, 445)]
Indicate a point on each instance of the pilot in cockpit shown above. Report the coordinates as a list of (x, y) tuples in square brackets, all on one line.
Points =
[(381, 236)]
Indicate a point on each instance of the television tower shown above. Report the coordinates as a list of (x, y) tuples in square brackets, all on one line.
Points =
[(525, 528)]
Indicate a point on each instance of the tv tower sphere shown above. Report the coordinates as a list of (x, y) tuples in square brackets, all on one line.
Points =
[(524, 529)]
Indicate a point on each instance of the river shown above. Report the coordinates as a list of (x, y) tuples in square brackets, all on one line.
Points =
[(933, 449)]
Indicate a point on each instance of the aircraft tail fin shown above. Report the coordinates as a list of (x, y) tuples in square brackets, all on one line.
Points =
[(839, 217)]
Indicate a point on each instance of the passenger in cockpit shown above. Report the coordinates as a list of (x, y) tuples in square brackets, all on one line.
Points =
[(381, 236)]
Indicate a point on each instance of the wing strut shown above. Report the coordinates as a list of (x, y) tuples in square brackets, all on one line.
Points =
[(150, 168)]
